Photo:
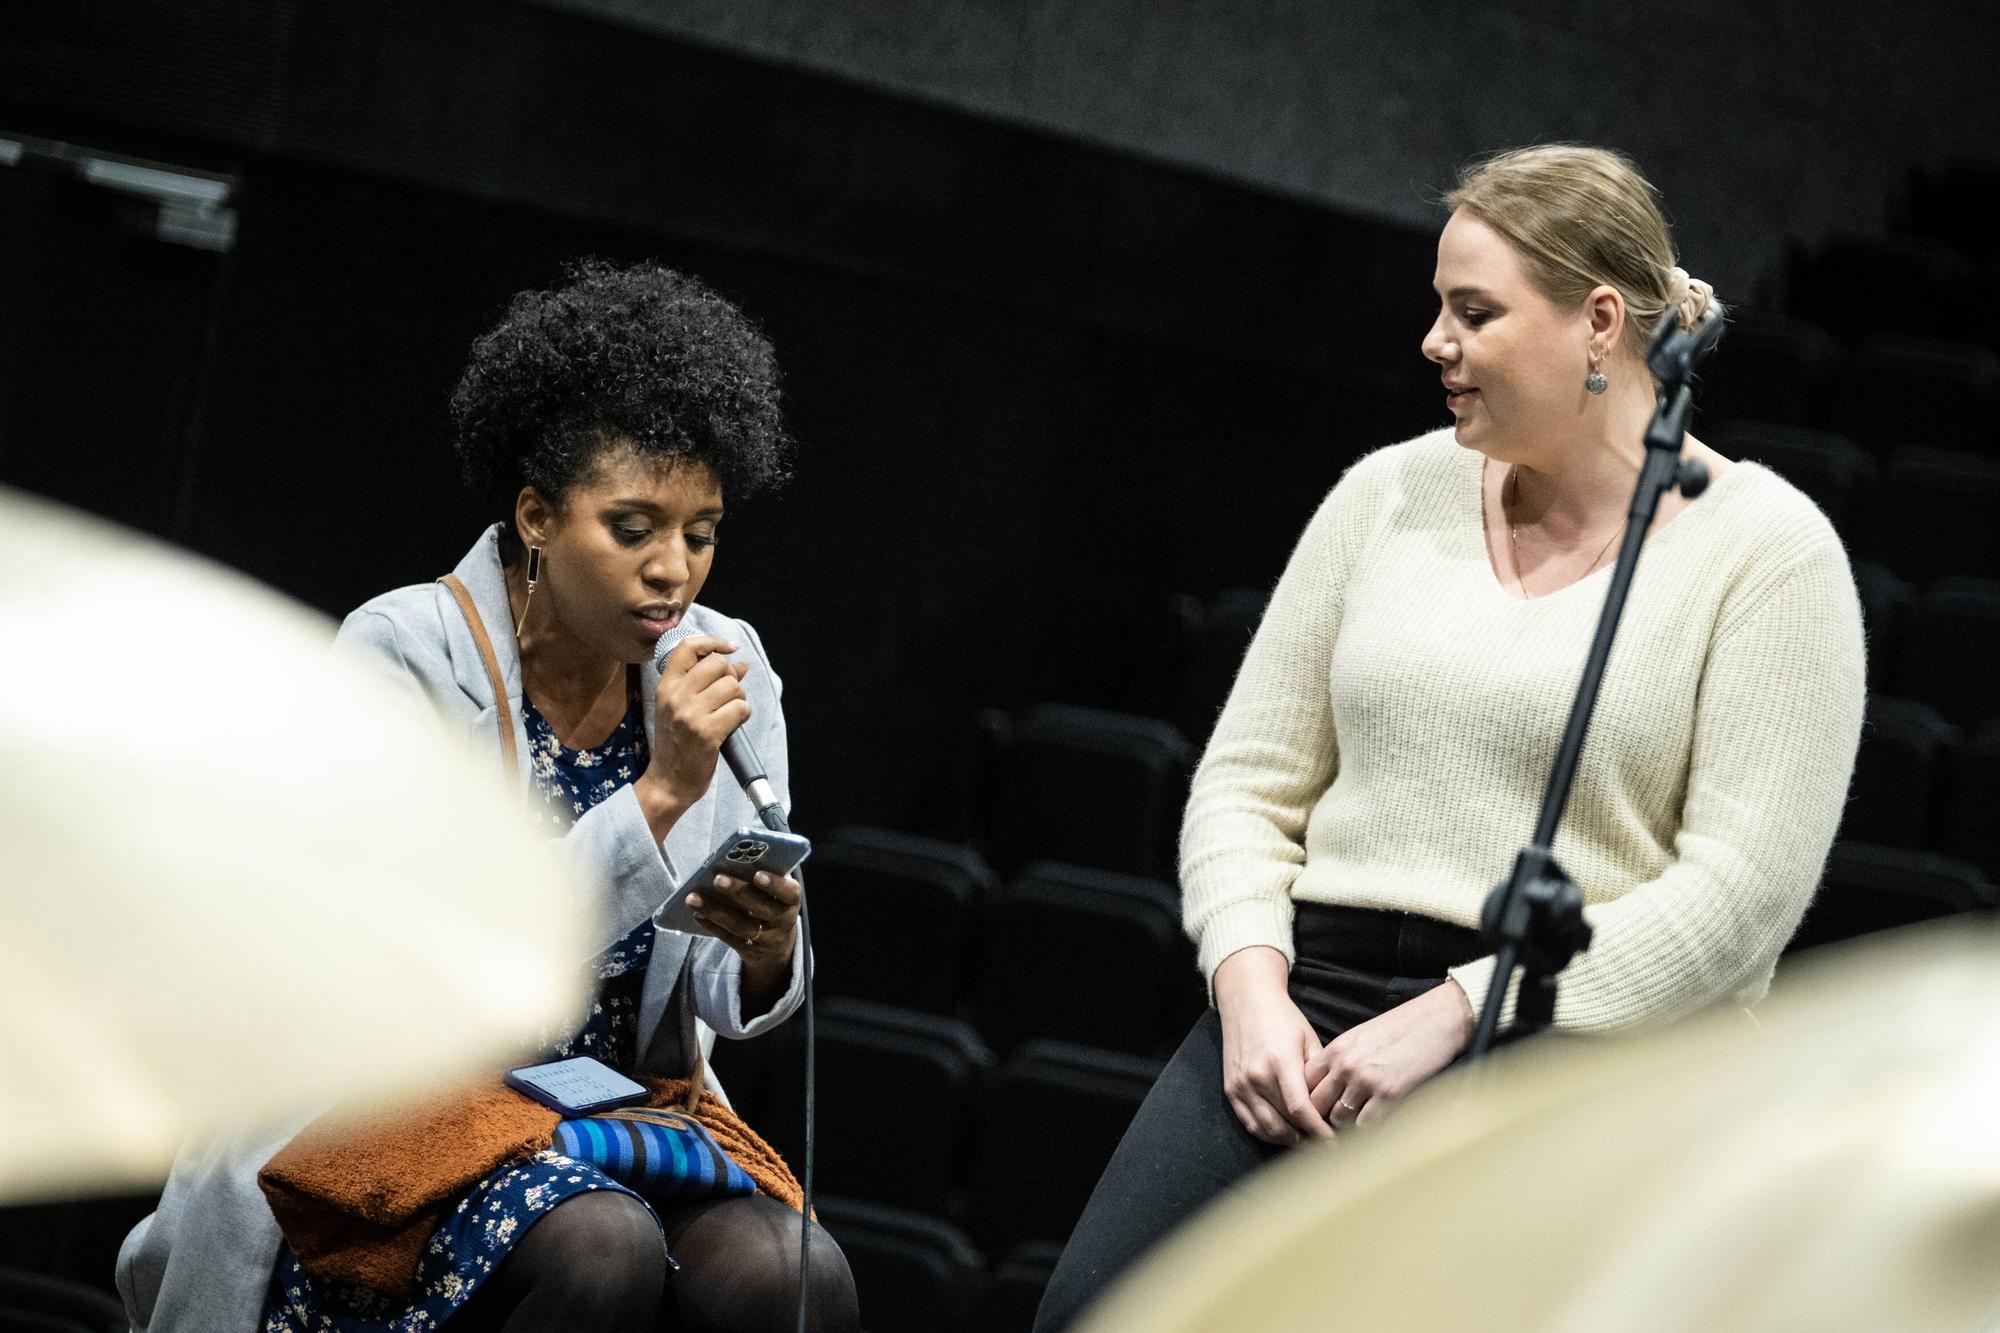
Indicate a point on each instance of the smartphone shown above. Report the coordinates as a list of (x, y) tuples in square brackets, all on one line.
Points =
[(579, 1086), (740, 856)]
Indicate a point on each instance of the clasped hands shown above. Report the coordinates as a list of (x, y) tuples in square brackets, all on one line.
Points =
[(1285, 1086)]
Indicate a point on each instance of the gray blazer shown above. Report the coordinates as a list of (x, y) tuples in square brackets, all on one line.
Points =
[(203, 1261)]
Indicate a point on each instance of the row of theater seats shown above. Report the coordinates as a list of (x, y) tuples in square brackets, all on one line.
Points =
[(1080, 954), (1922, 782), (1111, 785), (1889, 391), (950, 1175), (1937, 644), (1104, 790), (1922, 512), (1927, 524), (1878, 394), (916, 1273), (983, 1041)]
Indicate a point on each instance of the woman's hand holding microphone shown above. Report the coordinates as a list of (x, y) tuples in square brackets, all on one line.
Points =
[(700, 701)]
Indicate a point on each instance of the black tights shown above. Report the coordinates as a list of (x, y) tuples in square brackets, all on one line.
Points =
[(596, 1264)]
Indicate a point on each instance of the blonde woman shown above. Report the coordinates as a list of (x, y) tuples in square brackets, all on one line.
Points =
[(1384, 750)]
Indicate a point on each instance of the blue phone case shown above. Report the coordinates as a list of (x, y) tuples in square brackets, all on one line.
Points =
[(578, 1086)]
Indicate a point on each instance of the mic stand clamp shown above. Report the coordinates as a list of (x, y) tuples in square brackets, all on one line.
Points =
[(1534, 918)]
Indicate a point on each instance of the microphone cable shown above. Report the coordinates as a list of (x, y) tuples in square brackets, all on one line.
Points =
[(774, 818), (742, 759)]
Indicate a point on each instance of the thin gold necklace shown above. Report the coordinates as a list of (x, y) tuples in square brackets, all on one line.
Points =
[(1514, 537)]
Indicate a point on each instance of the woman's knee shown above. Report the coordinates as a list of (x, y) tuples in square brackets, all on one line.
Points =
[(739, 1272), (604, 1239), (831, 1302), (771, 1286)]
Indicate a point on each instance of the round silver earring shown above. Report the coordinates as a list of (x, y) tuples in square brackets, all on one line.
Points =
[(1596, 383)]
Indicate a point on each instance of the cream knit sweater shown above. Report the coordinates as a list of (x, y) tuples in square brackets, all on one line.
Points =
[(1390, 733)]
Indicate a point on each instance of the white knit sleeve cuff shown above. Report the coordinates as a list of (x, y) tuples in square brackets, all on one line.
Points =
[(1476, 978), (1240, 925)]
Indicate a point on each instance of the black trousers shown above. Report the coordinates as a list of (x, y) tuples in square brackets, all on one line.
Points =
[(1185, 1145)]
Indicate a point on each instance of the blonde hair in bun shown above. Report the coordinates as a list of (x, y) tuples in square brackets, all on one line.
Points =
[(1582, 218), (1694, 297)]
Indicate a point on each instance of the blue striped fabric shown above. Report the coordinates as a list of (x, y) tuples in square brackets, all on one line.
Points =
[(661, 1154)]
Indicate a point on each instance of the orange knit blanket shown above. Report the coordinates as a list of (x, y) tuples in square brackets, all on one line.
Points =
[(358, 1196)]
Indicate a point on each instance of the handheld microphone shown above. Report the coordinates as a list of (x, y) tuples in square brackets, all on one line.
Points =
[(737, 751)]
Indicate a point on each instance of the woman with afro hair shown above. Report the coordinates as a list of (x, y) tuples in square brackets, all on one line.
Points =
[(605, 422)]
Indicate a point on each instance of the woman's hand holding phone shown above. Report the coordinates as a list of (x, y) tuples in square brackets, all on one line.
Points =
[(757, 918)]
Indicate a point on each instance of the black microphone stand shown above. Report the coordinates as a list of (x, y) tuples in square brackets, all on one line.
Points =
[(1534, 918)]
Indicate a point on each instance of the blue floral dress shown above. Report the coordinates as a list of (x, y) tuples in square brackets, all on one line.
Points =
[(497, 1211)]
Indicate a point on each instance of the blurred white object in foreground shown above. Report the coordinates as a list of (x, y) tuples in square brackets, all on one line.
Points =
[(239, 876), (1837, 1169)]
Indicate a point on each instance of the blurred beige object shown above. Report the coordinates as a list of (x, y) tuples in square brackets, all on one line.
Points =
[(242, 876), (1836, 1168)]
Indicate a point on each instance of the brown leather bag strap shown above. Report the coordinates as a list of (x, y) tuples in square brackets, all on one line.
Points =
[(510, 759)]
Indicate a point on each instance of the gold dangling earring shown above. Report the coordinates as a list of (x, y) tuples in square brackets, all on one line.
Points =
[(1596, 383), (534, 575)]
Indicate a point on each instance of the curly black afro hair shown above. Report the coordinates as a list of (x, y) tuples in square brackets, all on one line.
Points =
[(642, 357)]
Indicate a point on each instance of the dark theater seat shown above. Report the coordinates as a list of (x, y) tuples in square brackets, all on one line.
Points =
[(1830, 468), (1888, 605), (1972, 814), (1214, 635), (1903, 390), (1906, 747), (895, 916), (1934, 515), (1054, 1116), (1951, 657), (35, 1303), (1768, 367), (1087, 956), (912, 1273), (897, 1090), (1014, 1292), (1870, 888), (1091, 788)]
